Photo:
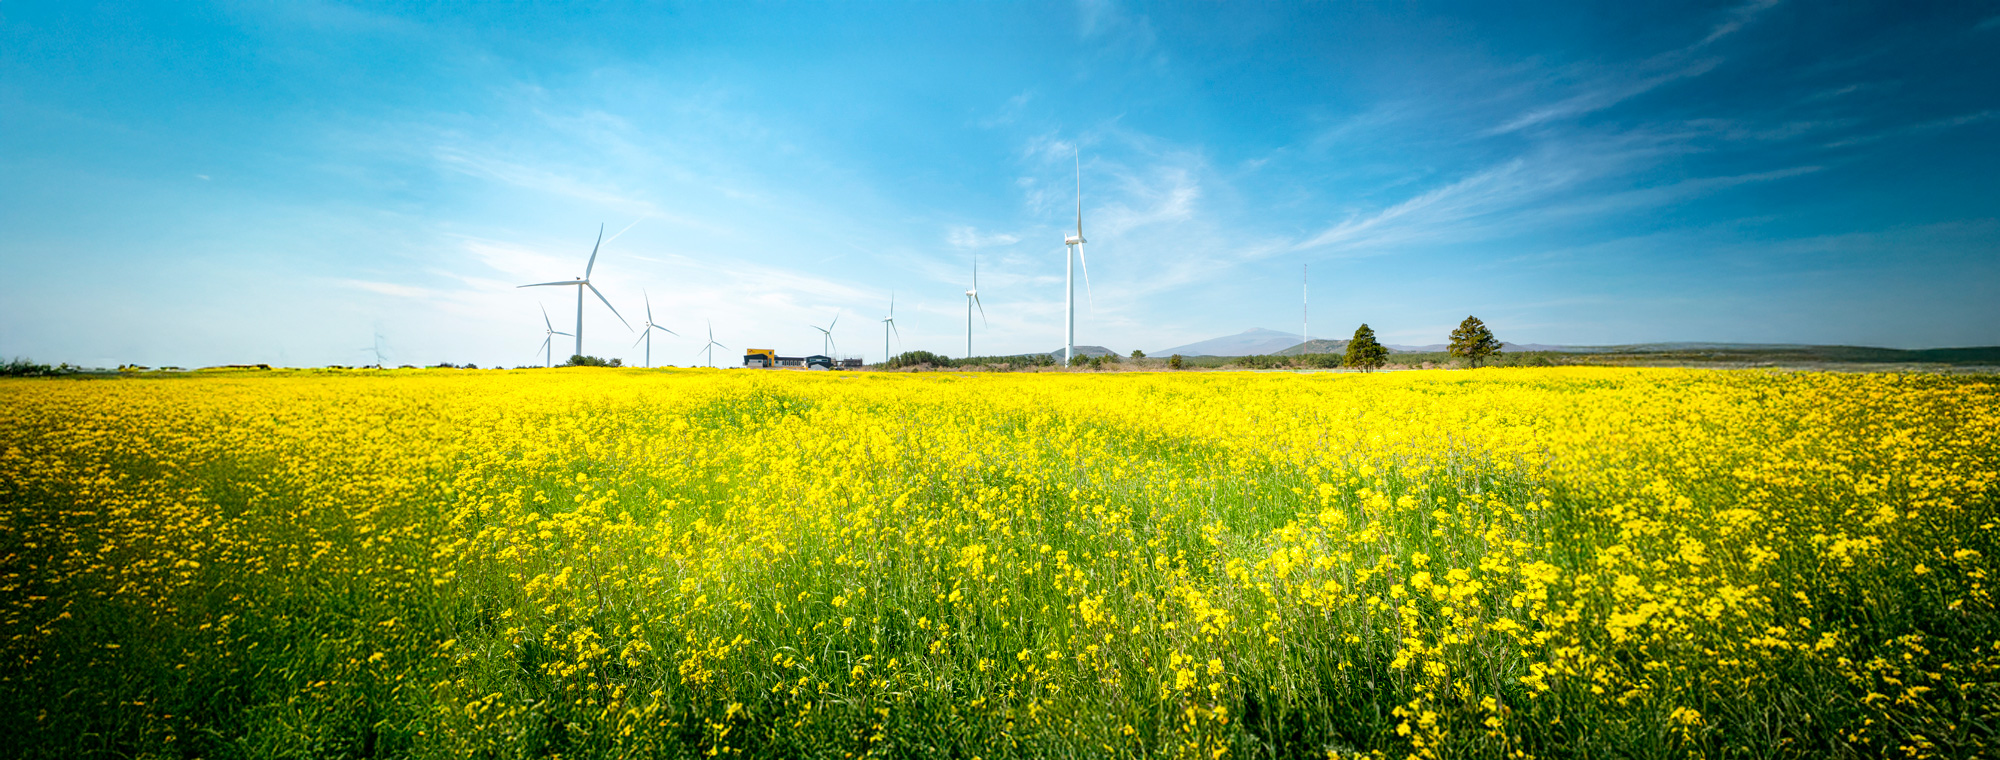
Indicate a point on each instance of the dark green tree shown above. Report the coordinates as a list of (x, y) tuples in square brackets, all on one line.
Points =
[(1138, 354), (1174, 362), (1473, 342), (1364, 353), (917, 359)]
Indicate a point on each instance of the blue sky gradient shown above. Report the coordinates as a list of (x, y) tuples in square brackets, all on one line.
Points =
[(197, 184)]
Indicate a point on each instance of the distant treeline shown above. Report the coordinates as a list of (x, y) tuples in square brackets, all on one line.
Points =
[(19, 367)]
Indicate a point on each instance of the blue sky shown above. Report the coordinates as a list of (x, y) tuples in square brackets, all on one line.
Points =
[(199, 183)]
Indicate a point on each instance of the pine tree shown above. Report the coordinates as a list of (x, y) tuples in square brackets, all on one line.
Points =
[(1473, 341), (1364, 352)]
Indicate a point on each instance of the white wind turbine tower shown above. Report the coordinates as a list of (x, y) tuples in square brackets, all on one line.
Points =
[(712, 345), (648, 329), (548, 339), (826, 332), (889, 323), (971, 300), (1074, 243), (584, 282)]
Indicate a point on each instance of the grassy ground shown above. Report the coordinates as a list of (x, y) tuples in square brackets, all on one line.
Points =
[(1573, 562)]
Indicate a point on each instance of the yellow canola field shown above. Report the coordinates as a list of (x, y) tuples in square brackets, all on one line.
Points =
[(633, 563)]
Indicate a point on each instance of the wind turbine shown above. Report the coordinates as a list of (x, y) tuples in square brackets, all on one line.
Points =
[(889, 323), (581, 283), (377, 348), (1305, 306), (648, 329), (712, 345), (1074, 243), (972, 299), (827, 333), (548, 339)]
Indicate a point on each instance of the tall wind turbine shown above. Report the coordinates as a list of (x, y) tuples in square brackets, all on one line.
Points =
[(889, 323), (826, 345), (647, 329), (712, 345), (584, 282), (1074, 244), (548, 339), (972, 299)]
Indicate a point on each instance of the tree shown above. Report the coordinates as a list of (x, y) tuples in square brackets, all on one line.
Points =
[(1138, 354), (917, 359), (1363, 352), (579, 360), (1174, 362), (1473, 341)]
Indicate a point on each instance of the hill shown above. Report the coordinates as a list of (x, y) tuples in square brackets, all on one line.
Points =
[(1256, 340), (1084, 351)]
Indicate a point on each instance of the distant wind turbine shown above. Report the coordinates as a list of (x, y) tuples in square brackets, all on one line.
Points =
[(584, 282), (1074, 243), (888, 324), (548, 339), (971, 300), (648, 328), (376, 348), (826, 345), (712, 345)]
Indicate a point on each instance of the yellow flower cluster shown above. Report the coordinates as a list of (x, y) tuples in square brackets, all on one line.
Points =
[(596, 563)]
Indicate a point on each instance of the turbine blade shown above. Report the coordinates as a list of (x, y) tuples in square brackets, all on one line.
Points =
[(545, 284), (1086, 277), (982, 311), (600, 242), (607, 304), (665, 330), (545, 318), (564, 334), (1079, 196), (649, 305), (975, 271), (642, 338), (836, 319)]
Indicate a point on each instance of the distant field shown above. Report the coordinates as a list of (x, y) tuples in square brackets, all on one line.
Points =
[(1569, 562)]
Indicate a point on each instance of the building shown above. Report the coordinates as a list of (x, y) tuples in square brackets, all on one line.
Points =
[(764, 358)]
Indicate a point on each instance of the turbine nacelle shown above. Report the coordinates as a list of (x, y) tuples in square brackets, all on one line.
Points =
[(1074, 240)]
